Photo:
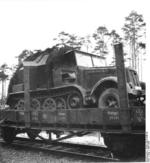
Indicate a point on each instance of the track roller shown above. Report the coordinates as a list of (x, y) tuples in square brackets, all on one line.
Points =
[(75, 100)]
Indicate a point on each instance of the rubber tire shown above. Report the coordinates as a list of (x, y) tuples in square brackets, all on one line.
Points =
[(8, 134), (105, 94)]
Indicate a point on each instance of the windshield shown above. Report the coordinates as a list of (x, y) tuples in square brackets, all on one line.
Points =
[(84, 60), (98, 61), (88, 60), (134, 77)]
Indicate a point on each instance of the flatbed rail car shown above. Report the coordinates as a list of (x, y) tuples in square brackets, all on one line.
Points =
[(120, 118), (82, 121)]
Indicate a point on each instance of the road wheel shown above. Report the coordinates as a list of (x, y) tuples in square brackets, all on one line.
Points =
[(60, 103), (49, 104), (8, 134), (20, 105), (109, 98), (75, 100), (35, 104)]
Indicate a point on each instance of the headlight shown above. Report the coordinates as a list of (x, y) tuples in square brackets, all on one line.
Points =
[(138, 88)]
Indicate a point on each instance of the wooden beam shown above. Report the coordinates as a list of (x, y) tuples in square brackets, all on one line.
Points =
[(122, 88), (27, 95)]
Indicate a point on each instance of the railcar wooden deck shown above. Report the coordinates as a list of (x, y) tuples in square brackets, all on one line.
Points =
[(108, 120)]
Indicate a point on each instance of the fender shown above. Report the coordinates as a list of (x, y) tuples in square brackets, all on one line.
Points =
[(114, 80), (100, 82)]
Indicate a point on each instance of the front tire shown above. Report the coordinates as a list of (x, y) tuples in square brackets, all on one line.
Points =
[(109, 98)]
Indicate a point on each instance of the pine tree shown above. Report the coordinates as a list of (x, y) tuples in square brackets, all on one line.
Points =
[(23, 55), (114, 38), (66, 39), (3, 77), (86, 42), (133, 27), (101, 36)]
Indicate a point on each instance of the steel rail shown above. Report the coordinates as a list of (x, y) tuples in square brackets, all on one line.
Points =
[(84, 151)]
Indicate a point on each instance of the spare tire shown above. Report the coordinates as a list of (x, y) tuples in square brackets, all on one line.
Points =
[(109, 98)]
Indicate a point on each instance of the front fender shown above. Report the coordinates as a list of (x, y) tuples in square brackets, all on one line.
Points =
[(100, 83), (111, 82)]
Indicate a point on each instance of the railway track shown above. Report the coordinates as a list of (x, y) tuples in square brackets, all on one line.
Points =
[(69, 149)]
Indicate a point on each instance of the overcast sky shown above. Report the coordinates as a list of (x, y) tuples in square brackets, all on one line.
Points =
[(32, 24)]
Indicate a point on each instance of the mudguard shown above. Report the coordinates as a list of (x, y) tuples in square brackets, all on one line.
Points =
[(100, 83)]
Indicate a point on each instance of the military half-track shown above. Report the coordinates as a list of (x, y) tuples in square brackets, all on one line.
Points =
[(65, 78)]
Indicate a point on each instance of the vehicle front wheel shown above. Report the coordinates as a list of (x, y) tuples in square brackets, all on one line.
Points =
[(109, 98)]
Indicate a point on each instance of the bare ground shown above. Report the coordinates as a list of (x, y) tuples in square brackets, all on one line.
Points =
[(14, 155), (11, 155)]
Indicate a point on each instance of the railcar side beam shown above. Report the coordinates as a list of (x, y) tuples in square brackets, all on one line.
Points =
[(106, 120)]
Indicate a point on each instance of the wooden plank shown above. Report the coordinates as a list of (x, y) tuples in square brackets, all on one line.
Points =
[(97, 118), (123, 96), (27, 95)]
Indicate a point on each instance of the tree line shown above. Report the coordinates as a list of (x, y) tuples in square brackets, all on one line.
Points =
[(133, 38), (100, 41)]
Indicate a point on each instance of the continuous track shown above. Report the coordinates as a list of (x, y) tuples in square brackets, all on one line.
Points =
[(84, 151)]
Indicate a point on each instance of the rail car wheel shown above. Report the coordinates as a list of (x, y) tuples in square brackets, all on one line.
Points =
[(109, 98), (60, 103), (125, 145), (75, 100), (32, 134), (20, 105), (49, 104), (35, 104), (8, 134)]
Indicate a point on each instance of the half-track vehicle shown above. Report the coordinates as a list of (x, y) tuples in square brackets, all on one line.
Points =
[(69, 79)]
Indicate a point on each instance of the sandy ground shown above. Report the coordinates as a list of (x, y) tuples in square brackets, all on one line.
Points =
[(12, 155)]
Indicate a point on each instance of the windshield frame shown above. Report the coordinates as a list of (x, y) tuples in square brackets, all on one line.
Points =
[(90, 62)]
